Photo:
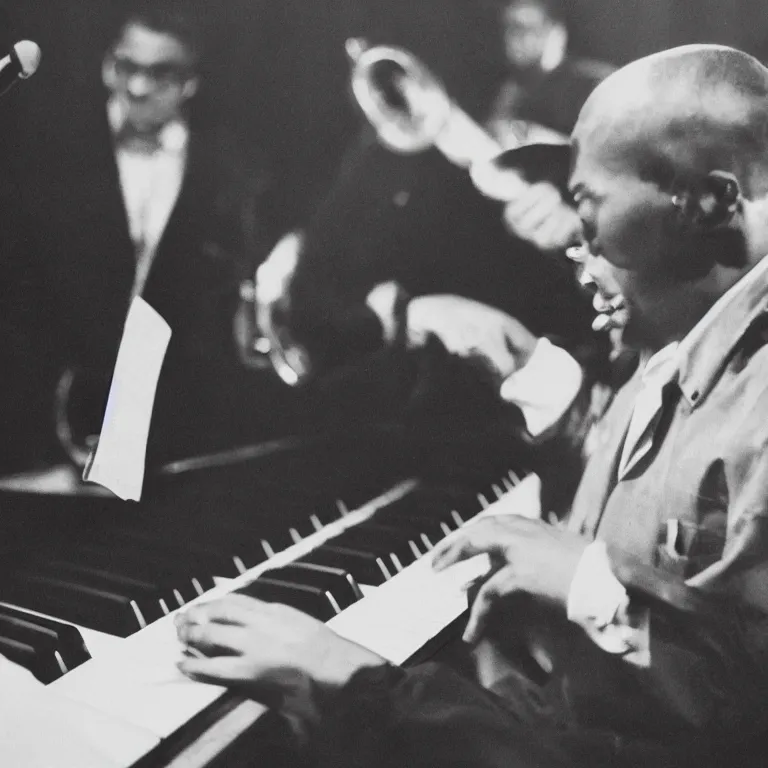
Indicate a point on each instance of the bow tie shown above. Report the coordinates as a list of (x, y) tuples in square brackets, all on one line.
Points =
[(140, 142), (169, 138)]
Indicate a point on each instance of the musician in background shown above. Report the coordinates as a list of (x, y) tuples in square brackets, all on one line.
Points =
[(634, 632), (142, 193), (544, 87), (413, 223)]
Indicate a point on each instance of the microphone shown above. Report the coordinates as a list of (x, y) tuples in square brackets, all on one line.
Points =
[(22, 62)]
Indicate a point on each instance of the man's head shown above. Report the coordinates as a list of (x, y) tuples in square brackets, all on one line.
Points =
[(534, 34), (669, 165), (152, 66)]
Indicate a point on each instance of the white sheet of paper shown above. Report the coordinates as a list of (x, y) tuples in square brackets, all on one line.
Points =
[(40, 729), (118, 462)]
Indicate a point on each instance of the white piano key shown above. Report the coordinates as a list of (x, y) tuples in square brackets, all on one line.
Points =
[(141, 686), (396, 620)]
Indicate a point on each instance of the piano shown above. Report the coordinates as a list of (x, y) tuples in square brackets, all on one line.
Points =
[(338, 527)]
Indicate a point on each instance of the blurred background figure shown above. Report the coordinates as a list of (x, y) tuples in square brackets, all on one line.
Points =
[(141, 196), (544, 86)]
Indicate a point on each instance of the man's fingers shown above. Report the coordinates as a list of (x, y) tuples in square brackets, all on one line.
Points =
[(213, 639), (232, 609), (446, 555), (236, 610), (219, 670), (545, 212), (537, 194), (498, 586), (552, 234), (479, 538), (542, 209)]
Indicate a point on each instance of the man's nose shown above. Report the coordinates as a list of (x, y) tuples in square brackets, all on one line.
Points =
[(139, 85)]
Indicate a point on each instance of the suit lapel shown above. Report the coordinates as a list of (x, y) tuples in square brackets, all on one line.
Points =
[(177, 256), (600, 475)]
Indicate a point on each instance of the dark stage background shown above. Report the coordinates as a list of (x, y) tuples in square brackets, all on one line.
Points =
[(279, 71)]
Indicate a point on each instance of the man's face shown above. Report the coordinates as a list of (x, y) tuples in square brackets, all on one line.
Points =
[(152, 73), (629, 239), (527, 28)]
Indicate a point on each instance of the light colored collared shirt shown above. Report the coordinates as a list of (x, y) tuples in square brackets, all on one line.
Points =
[(597, 601), (150, 180)]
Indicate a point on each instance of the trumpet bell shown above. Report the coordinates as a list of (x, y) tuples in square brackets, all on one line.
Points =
[(404, 102)]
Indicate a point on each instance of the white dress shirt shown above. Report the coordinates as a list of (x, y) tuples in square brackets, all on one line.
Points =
[(151, 176)]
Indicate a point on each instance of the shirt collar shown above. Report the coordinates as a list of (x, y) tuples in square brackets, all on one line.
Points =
[(704, 352), (172, 137)]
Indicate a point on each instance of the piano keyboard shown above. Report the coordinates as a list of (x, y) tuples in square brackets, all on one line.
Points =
[(124, 601)]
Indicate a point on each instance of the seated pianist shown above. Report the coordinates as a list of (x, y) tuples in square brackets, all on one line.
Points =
[(633, 632)]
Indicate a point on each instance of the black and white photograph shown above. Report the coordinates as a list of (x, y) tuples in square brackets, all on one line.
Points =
[(383, 384)]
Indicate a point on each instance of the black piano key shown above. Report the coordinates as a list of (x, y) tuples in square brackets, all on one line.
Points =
[(366, 567), (424, 532), (433, 529), (433, 508), (310, 600), (147, 596), (405, 535), (109, 612), (150, 566), (47, 663), (40, 663), (43, 639), (459, 498), (69, 640), (245, 546), (338, 582), (380, 540), (215, 562)]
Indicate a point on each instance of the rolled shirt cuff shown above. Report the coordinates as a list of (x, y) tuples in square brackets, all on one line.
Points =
[(545, 387)]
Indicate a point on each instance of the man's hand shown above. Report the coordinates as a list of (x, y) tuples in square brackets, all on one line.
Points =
[(471, 330), (273, 653), (528, 556), (542, 217)]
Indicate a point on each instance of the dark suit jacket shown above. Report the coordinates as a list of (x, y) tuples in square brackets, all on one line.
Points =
[(418, 220), (70, 283)]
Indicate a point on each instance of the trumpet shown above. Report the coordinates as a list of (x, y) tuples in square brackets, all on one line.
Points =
[(411, 111), (409, 107)]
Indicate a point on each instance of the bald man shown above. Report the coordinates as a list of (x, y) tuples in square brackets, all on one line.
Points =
[(640, 623)]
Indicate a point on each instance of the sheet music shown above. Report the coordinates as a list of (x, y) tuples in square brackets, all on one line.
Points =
[(40, 729), (118, 461)]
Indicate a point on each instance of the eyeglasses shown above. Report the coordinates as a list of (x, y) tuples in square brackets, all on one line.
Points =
[(162, 75)]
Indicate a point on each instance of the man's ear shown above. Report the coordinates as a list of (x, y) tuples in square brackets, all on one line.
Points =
[(108, 75), (712, 203), (190, 87)]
